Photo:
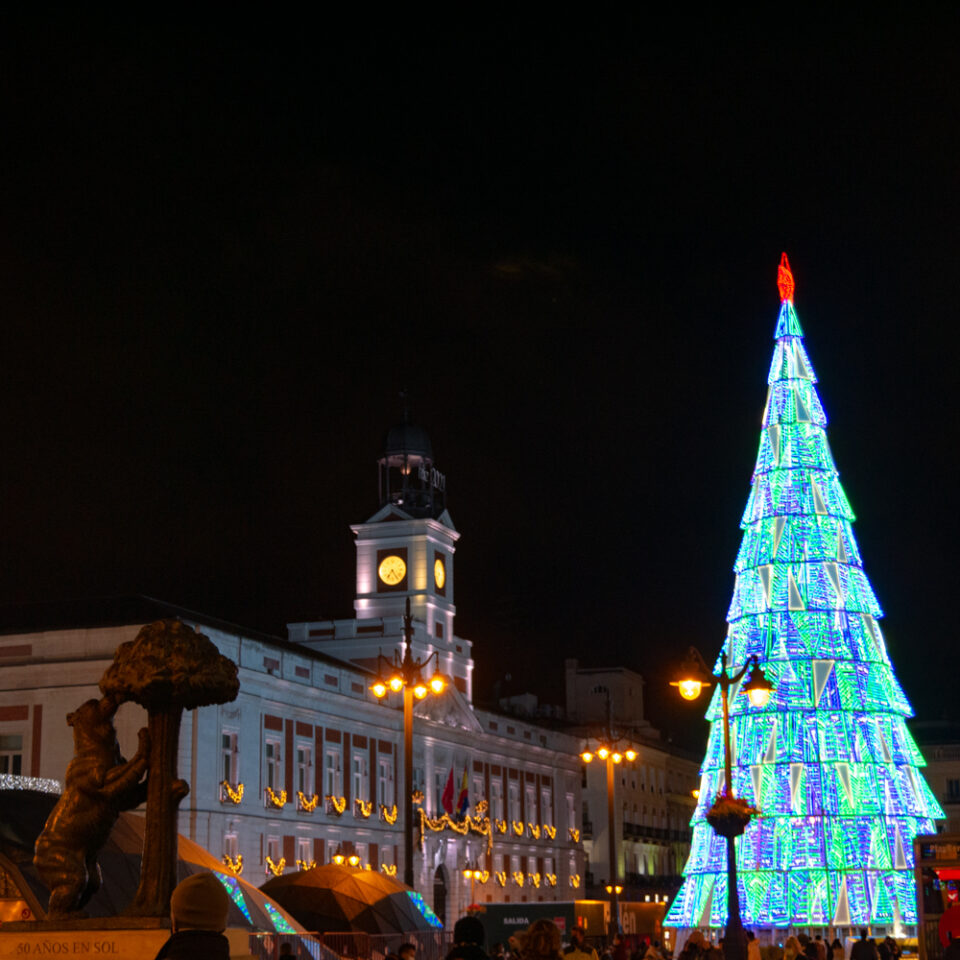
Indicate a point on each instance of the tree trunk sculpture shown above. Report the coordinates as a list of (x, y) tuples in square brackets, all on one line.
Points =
[(168, 668)]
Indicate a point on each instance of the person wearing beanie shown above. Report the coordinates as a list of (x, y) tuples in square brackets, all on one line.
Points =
[(198, 916), (468, 937)]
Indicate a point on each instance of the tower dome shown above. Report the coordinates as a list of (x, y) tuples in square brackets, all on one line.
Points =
[(407, 476)]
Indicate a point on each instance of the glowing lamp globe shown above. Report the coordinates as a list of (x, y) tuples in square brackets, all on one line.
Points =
[(420, 691), (379, 689), (617, 757), (758, 687), (689, 689), (437, 683), (396, 683), (603, 753), (631, 755), (586, 756)]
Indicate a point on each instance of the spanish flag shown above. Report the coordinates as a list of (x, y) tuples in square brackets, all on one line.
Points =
[(463, 801)]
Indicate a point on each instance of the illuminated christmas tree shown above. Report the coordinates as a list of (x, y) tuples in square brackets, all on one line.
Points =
[(829, 761)]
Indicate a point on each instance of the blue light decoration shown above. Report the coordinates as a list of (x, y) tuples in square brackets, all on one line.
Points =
[(232, 886), (829, 761), (279, 921), (424, 908)]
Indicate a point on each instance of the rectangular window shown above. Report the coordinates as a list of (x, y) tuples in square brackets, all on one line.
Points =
[(476, 794), (419, 779), (530, 800), (953, 790), (360, 785), (230, 764), (304, 849), (305, 770), (11, 753), (231, 847), (273, 849), (513, 801), (385, 781), (496, 799), (546, 806), (332, 781), (272, 764)]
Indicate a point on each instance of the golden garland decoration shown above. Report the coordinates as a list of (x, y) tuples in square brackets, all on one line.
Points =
[(574, 834), (534, 831), (417, 796), (390, 869), (337, 804), (551, 878), (362, 807), (308, 806), (551, 832), (234, 796), (276, 868), (303, 865), (501, 826), (575, 880), (279, 800), (476, 824), (235, 865), (518, 877), (388, 814), (501, 877), (536, 880), (517, 827)]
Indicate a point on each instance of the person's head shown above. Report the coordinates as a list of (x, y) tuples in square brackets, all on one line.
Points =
[(542, 939), (286, 950), (469, 930), (577, 935), (199, 903), (751, 935), (407, 951), (863, 933)]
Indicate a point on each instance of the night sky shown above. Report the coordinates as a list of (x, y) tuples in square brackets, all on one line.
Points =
[(227, 249)]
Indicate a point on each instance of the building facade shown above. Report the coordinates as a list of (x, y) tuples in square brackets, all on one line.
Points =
[(654, 794)]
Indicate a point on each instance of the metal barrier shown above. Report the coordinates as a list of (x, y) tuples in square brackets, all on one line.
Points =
[(350, 946)]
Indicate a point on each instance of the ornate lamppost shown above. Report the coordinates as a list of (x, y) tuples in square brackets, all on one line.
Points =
[(473, 873), (407, 674), (611, 750), (729, 814)]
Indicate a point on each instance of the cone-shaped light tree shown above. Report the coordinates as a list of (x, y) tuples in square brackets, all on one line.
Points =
[(167, 669), (829, 761)]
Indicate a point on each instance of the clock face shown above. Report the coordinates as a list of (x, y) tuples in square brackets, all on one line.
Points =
[(439, 573), (392, 570)]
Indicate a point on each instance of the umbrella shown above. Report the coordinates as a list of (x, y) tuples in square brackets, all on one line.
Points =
[(340, 898), (120, 866)]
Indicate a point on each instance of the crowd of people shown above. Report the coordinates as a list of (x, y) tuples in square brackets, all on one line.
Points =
[(199, 908)]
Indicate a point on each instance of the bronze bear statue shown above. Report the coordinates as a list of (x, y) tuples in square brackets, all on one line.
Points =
[(99, 784)]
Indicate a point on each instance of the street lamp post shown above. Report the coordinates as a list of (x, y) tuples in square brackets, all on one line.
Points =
[(472, 873), (406, 674), (608, 751), (729, 815)]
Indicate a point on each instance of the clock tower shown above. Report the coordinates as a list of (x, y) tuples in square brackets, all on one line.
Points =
[(405, 551)]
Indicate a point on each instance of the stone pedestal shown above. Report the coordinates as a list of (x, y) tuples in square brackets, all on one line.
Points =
[(119, 938)]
